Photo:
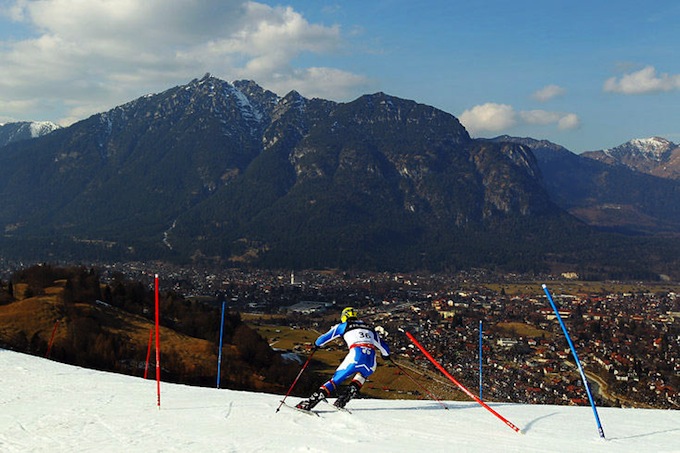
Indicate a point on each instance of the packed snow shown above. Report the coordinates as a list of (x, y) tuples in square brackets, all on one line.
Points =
[(49, 406)]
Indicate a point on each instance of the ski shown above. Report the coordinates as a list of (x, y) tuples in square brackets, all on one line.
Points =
[(313, 412), (342, 409), (304, 411), (339, 409)]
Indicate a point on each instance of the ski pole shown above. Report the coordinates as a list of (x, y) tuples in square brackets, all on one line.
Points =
[(419, 384), (296, 379)]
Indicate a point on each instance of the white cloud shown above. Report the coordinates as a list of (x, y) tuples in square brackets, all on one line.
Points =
[(491, 117), (540, 117), (563, 121), (569, 121), (643, 81), (22, 105), (315, 82), (85, 54), (548, 92)]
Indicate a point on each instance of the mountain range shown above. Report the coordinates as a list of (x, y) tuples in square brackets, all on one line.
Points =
[(232, 174), (655, 156), (630, 188)]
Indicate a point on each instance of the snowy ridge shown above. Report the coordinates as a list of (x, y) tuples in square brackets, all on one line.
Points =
[(40, 128), (209, 94), (25, 130), (652, 148), (49, 406), (247, 110)]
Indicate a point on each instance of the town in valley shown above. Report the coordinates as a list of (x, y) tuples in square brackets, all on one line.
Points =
[(627, 334)]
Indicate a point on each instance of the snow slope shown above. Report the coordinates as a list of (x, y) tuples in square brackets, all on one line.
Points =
[(48, 406)]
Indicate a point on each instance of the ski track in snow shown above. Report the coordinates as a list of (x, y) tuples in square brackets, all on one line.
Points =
[(47, 406)]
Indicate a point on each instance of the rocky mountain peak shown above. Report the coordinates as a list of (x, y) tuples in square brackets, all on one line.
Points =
[(654, 155), (654, 148), (24, 130)]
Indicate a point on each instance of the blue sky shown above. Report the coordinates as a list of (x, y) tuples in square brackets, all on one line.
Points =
[(583, 74)]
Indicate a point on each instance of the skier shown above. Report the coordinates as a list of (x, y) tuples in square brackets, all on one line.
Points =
[(362, 341)]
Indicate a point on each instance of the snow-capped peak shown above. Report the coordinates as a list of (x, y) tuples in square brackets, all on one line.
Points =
[(40, 128), (25, 130), (652, 148), (653, 145)]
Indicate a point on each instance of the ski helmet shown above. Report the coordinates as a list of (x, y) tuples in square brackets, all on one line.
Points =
[(348, 313)]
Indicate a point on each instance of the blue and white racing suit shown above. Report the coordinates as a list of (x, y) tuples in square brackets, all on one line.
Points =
[(363, 342)]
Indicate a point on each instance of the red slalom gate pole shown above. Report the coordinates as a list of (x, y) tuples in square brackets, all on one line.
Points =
[(460, 386), (49, 346), (158, 346)]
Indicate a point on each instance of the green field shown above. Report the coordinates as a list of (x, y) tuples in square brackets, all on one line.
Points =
[(581, 287), (519, 329)]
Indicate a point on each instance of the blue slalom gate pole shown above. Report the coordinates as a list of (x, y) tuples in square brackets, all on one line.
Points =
[(578, 362), (480, 359), (219, 355)]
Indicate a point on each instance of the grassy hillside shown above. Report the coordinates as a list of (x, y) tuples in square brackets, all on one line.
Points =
[(108, 328)]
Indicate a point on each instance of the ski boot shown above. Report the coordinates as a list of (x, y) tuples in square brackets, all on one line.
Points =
[(351, 391), (312, 401)]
